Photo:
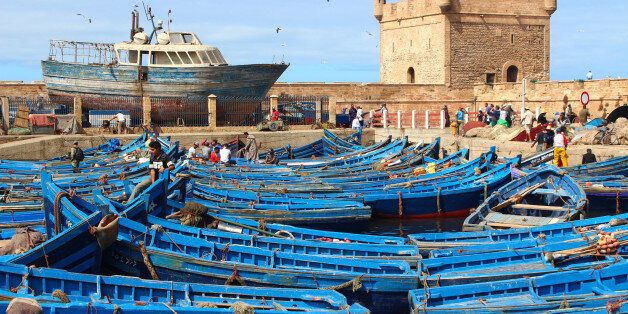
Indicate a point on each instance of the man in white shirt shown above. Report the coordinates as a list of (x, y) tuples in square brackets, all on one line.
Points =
[(120, 122), (225, 155), (527, 120), (205, 150), (359, 114), (355, 124), (192, 151), (589, 76)]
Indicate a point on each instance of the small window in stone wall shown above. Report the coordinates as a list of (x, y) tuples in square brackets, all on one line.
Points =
[(490, 78), (512, 38), (393, 47)]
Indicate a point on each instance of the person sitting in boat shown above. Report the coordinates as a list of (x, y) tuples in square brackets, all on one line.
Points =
[(214, 157), (192, 152), (205, 150), (158, 162), (271, 159), (589, 157), (225, 156)]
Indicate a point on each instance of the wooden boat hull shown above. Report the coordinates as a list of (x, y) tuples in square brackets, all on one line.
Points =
[(122, 80)]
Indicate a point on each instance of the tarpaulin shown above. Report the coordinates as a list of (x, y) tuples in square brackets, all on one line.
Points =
[(43, 120)]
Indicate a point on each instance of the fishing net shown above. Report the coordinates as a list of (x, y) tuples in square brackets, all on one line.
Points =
[(106, 232), (23, 240), (242, 308), (193, 214), (24, 306)]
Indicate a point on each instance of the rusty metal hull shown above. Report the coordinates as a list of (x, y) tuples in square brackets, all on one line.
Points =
[(122, 80)]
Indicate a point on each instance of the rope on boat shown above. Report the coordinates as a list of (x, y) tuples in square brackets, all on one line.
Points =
[(485, 190), (147, 262), (62, 296), (355, 284), (613, 306), (235, 278), (240, 307), (285, 233), (106, 232), (400, 203), (617, 211), (56, 208), (440, 210)]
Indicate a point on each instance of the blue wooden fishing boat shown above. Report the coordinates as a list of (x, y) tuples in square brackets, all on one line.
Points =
[(441, 199), (605, 192), (545, 196), (572, 291), (210, 262), (613, 166), (71, 290)]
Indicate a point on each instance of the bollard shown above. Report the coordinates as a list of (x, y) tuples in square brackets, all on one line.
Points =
[(427, 119), (413, 119), (212, 103), (385, 121)]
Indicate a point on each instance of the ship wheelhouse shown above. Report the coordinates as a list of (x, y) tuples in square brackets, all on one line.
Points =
[(172, 50)]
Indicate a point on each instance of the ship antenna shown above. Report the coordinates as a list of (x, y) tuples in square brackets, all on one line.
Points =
[(148, 11), (169, 19)]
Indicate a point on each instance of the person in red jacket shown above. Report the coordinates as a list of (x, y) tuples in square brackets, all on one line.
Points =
[(213, 157), (274, 116)]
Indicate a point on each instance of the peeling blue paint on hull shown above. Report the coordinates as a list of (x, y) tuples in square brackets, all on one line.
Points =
[(122, 80)]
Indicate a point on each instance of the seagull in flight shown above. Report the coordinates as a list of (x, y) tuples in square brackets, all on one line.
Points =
[(369, 33), (88, 19), (279, 29)]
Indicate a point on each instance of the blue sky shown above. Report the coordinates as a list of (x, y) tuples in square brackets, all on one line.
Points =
[(323, 41)]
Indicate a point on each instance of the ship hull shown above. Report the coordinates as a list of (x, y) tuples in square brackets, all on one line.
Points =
[(63, 79)]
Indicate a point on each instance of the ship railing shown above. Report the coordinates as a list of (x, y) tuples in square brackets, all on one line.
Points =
[(82, 52)]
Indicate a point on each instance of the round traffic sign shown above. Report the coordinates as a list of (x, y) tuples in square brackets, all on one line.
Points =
[(584, 98)]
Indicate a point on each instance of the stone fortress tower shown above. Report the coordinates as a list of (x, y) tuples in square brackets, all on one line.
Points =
[(459, 43)]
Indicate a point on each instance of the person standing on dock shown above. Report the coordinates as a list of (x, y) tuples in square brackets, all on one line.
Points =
[(157, 164), (526, 121), (352, 112), (120, 122), (540, 140), (460, 119), (76, 156), (250, 150), (359, 114), (560, 148), (583, 115)]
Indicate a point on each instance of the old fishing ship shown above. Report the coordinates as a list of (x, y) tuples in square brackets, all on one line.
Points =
[(162, 64)]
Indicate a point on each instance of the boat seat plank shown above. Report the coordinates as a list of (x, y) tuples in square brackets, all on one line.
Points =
[(559, 192), (539, 207), (500, 220)]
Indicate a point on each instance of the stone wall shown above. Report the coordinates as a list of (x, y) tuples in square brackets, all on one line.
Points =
[(456, 43), (549, 96), (45, 147), (478, 146), (552, 96), (21, 89)]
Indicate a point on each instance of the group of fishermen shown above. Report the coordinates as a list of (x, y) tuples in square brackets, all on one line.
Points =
[(216, 153)]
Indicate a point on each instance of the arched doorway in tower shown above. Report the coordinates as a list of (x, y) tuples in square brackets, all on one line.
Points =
[(410, 75), (511, 74)]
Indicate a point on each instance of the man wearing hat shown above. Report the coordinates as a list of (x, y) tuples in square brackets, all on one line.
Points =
[(526, 120), (76, 156), (192, 151), (157, 164)]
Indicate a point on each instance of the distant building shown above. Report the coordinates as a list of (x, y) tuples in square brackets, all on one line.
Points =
[(459, 43)]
